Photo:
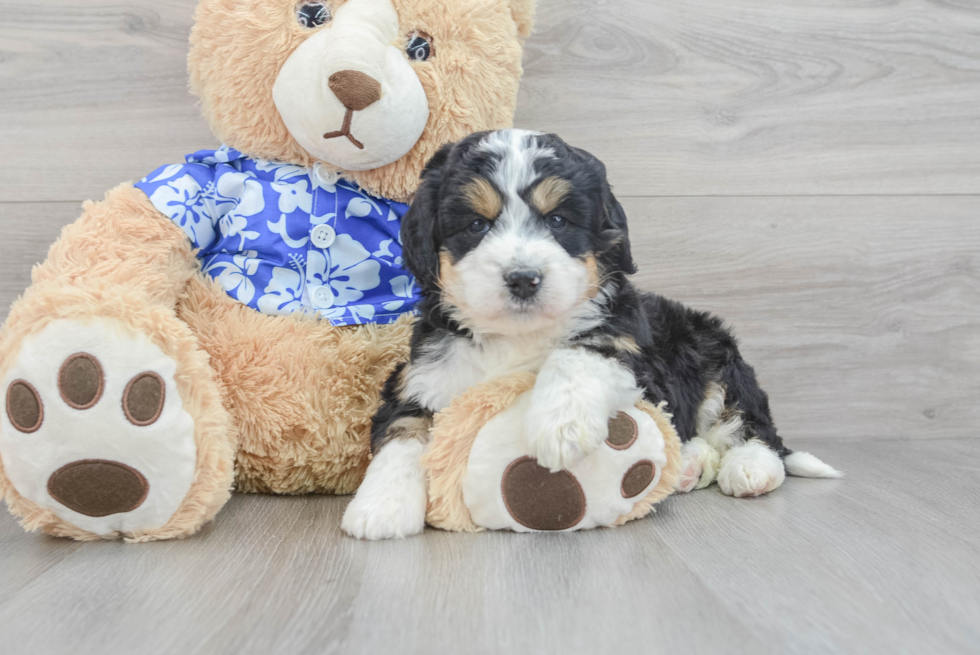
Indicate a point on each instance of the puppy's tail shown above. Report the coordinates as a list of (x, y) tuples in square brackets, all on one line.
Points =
[(805, 465)]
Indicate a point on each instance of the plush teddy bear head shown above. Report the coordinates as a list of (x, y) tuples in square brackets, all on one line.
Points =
[(370, 88)]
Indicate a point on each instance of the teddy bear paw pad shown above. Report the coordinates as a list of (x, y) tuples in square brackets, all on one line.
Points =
[(623, 431), (541, 500), (93, 428)]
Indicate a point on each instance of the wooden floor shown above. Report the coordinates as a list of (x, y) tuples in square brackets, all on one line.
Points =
[(810, 170), (884, 561)]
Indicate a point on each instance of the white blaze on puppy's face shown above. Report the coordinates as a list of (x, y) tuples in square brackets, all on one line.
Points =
[(517, 242)]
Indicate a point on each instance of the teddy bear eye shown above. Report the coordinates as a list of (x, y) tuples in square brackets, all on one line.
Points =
[(419, 46), (312, 14)]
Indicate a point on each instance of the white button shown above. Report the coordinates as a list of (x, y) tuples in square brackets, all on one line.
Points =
[(323, 236), (325, 175), (322, 298)]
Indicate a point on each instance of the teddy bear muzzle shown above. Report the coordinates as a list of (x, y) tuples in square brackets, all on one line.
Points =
[(348, 95), (356, 91)]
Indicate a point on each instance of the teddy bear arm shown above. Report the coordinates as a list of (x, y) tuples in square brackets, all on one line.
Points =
[(122, 240)]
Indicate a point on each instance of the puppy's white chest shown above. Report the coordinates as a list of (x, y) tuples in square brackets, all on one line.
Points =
[(458, 364)]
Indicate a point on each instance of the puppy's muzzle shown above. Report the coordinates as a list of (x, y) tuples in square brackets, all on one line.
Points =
[(523, 284)]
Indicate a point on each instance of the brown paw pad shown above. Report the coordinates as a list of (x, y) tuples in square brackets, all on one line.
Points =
[(541, 500), (24, 407), (638, 478), (98, 487), (623, 431), (144, 398), (81, 381)]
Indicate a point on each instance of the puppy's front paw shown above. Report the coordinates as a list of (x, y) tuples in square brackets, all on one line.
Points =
[(391, 502), (380, 516), (562, 429), (576, 393)]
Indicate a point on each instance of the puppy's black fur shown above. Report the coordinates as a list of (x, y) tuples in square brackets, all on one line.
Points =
[(677, 351)]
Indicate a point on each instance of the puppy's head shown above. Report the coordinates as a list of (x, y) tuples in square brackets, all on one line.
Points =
[(515, 231)]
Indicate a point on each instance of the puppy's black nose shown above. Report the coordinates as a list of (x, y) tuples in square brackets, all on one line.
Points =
[(523, 284)]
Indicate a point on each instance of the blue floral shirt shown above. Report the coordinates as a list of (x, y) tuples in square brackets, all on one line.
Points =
[(285, 239)]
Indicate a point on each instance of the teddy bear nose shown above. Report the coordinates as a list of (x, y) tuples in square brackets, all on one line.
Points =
[(98, 487), (356, 90)]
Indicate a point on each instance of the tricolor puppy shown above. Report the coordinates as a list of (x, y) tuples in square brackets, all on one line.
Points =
[(523, 255)]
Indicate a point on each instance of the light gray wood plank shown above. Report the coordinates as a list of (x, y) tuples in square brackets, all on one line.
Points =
[(737, 97), (861, 315), (883, 561), (93, 93), (289, 581), (24, 557), (700, 97)]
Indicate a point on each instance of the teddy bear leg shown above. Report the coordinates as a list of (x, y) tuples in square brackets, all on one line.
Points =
[(111, 424)]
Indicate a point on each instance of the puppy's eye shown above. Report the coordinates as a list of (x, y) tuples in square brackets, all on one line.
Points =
[(313, 14), (556, 222), (419, 46), (479, 226)]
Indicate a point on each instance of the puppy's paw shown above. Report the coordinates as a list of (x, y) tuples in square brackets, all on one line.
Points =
[(381, 516), (561, 431), (391, 502), (751, 469), (700, 467), (576, 393)]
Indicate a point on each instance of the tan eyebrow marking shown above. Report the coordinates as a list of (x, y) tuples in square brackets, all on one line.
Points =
[(483, 198), (549, 193), (626, 343)]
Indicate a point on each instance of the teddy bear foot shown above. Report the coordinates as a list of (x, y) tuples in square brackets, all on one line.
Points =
[(95, 438), (505, 487)]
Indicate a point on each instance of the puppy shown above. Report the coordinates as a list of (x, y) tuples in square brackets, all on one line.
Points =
[(523, 256)]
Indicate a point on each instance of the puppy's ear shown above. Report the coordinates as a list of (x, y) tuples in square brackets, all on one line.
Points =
[(615, 233), (419, 225)]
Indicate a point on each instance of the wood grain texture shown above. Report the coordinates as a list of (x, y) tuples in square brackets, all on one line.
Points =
[(860, 315), (742, 97), (702, 97), (93, 93), (884, 561)]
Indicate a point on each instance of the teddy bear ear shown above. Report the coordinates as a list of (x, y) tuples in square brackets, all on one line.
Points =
[(523, 12)]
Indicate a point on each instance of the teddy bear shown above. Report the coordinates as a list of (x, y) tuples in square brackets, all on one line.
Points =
[(228, 322)]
